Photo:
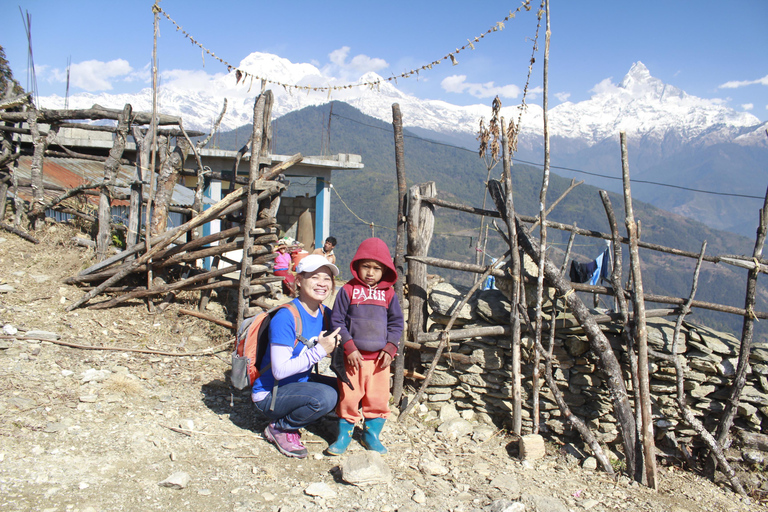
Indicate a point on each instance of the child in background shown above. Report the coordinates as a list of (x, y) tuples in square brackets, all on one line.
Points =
[(370, 321)]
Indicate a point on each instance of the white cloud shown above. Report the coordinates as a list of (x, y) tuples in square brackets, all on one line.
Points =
[(735, 84), (189, 80), (562, 96), (346, 70), (95, 75), (605, 86), (458, 84), (534, 92), (141, 75), (748, 106)]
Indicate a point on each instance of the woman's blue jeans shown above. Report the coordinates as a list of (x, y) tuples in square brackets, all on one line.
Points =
[(300, 403)]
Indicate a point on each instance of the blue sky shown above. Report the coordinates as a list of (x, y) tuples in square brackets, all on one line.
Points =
[(714, 50)]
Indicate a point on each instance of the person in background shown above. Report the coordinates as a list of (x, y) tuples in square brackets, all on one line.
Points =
[(370, 322), (301, 398), (327, 249), (282, 267)]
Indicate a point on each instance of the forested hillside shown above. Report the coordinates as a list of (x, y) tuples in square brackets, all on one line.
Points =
[(370, 196)]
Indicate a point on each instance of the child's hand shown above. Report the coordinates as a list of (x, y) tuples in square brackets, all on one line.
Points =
[(355, 359), (384, 359)]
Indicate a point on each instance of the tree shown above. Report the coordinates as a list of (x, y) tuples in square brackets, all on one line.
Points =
[(6, 76)]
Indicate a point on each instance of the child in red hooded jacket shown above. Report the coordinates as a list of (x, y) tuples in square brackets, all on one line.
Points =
[(370, 321)]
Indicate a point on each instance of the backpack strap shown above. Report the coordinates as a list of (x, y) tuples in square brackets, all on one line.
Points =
[(326, 317)]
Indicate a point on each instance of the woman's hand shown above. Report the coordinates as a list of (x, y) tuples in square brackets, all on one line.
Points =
[(329, 341)]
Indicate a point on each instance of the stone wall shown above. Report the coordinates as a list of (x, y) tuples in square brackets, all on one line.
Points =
[(485, 385)]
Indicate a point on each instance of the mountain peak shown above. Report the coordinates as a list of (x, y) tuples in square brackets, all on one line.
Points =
[(639, 82), (639, 72)]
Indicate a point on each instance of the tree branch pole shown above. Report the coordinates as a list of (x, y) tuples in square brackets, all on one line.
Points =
[(626, 334), (397, 125), (137, 185), (552, 206), (506, 205), (153, 150), (574, 420), (747, 330), (157, 290), (197, 205), (18, 203), (252, 205), (641, 333), (96, 112), (603, 290), (598, 343), (567, 254), (420, 227), (542, 234), (570, 227), (18, 232), (111, 167), (685, 411)]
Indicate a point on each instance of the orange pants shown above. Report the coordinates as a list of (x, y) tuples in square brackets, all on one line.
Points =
[(371, 383)]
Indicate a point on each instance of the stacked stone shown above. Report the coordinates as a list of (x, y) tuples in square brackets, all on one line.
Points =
[(484, 385)]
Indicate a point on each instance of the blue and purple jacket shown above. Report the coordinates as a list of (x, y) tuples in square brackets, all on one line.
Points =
[(369, 317)]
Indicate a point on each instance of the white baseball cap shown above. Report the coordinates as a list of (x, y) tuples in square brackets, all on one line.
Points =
[(313, 262)]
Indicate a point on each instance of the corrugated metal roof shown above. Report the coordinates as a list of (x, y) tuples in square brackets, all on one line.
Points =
[(69, 173)]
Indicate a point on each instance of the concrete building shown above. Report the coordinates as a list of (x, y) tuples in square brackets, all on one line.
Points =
[(309, 187)]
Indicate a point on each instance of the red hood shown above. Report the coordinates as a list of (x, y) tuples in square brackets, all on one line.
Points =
[(375, 249)]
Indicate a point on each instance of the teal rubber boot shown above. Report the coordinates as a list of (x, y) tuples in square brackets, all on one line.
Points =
[(371, 434), (343, 439)]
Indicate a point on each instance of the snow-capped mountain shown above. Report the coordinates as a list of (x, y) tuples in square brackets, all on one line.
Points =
[(644, 105), (640, 105), (668, 130)]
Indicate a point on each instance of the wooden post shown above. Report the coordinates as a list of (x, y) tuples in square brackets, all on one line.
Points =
[(153, 151), (542, 235), (111, 167), (397, 125), (641, 333), (252, 206), (137, 185), (40, 142), (626, 331), (171, 163), (420, 226), (504, 199)]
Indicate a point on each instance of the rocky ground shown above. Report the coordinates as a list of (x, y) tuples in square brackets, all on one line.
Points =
[(93, 430)]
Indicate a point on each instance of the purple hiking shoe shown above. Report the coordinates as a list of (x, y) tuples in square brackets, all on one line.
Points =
[(289, 443)]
